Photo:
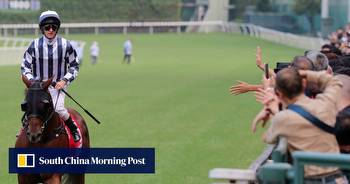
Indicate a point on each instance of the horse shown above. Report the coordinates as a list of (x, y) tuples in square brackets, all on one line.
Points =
[(43, 128)]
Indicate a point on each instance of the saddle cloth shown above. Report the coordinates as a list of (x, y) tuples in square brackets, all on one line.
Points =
[(71, 142)]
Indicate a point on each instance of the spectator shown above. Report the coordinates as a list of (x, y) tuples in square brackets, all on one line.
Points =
[(79, 48), (80, 52), (302, 63), (342, 128), (343, 117), (299, 62), (301, 134), (94, 52), (344, 71), (328, 48), (344, 100), (243, 87), (319, 60), (342, 132), (127, 51)]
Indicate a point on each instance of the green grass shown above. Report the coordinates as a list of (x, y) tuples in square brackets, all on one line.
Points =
[(174, 97)]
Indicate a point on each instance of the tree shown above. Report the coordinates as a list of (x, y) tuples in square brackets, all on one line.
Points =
[(309, 8)]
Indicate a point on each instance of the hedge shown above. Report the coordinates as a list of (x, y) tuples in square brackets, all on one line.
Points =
[(99, 11)]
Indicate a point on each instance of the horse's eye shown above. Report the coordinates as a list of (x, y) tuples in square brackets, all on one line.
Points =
[(24, 106)]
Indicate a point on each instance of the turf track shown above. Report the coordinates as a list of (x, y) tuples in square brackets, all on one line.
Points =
[(173, 97)]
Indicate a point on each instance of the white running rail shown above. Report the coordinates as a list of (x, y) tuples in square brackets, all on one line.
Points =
[(11, 45), (13, 48)]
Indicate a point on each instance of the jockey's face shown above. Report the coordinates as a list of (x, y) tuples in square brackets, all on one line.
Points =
[(50, 31)]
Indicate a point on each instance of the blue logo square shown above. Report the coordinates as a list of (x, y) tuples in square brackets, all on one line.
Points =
[(30, 160)]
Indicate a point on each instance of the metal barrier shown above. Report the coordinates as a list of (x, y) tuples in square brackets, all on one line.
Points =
[(278, 170), (285, 173), (300, 159)]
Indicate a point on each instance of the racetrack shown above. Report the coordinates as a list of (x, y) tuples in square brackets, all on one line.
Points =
[(174, 98)]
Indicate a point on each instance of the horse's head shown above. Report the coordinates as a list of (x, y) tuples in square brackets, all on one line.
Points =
[(38, 108)]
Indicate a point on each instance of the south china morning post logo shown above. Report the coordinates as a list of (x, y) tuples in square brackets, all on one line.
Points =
[(25, 160), (83, 160), (114, 161)]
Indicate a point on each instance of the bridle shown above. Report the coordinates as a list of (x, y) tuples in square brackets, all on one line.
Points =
[(36, 95)]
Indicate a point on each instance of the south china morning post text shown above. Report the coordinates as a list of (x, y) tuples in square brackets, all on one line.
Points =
[(92, 160)]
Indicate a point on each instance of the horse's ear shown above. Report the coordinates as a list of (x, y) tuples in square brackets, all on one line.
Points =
[(26, 81), (47, 83)]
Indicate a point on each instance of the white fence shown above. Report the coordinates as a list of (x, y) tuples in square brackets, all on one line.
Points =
[(120, 27), (178, 27), (303, 42), (11, 49)]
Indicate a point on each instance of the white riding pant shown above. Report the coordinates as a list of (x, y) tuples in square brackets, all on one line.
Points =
[(58, 103)]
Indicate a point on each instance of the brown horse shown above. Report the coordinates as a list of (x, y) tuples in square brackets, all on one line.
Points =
[(43, 128)]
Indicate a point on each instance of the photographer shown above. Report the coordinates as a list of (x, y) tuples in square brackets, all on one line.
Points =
[(301, 134)]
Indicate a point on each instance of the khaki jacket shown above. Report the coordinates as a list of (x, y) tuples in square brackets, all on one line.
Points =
[(300, 133)]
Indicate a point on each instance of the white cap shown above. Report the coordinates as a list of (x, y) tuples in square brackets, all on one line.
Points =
[(49, 14)]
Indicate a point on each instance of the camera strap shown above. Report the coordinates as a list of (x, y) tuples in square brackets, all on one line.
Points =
[(311, 118)]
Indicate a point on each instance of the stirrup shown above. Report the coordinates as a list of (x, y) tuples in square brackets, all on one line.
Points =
[(76, 135)]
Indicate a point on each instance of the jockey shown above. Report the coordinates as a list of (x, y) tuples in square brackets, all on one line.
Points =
[(51, 56)]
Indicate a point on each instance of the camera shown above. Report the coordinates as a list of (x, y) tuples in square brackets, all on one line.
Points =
[(280, 66)]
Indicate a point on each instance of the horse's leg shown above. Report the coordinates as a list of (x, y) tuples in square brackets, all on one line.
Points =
[(28, 178), (73, 179), (52, 178), (22, 179)]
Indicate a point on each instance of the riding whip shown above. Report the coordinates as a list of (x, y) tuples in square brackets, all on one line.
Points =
[(86, 111)]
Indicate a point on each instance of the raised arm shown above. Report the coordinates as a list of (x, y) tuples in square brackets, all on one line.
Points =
[(330, 85), (243, 87), (259, 62)]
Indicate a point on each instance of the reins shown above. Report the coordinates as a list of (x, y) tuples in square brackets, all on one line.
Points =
[(58, 130)]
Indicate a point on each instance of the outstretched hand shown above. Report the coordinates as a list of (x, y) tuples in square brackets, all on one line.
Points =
[(264, 96), (241, 87), (263, 116), (270, 101)]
